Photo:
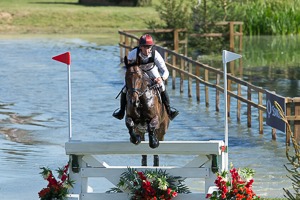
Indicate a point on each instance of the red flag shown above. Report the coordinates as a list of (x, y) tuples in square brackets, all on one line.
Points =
[(64, 58)]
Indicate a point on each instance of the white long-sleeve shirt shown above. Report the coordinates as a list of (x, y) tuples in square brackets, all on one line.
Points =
[(154, 70)]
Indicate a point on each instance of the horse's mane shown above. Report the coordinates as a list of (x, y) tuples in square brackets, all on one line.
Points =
[(137, 69)]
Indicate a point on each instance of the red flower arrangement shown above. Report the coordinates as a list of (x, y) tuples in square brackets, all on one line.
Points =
[(238, 186), (150, 185), (56, 189)]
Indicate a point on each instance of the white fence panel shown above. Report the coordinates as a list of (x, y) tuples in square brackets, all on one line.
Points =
[(85, 164)]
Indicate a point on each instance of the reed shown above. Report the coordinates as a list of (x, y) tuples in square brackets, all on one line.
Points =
[(270, 17)]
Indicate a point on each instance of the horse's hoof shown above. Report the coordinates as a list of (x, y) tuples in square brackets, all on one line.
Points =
[(153, 141), (135, 140)]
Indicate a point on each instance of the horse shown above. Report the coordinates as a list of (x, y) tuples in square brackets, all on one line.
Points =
[(145, 112)]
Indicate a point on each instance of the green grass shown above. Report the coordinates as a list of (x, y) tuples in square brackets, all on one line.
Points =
[(68, 17)]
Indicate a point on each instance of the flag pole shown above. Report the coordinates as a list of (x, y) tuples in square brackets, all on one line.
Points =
[(227, 56), (226, 111), (66, 58), (69, 102)]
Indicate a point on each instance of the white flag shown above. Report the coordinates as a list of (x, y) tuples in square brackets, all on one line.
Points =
[(229, 56)]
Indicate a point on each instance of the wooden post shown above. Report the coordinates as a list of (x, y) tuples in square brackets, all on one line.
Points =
[(231, 36), (273, 132), (249, 107), (176, 41), (218, 93), (132, 43), (206, 88), (260, 114), (126, 43), (121, 49), (297, 122), (182, 66), (228, 97), (173, 72), (198, 83), (288, 107), (186, 45), (239, 93), (241, 38), (175, 32), (190, 80)]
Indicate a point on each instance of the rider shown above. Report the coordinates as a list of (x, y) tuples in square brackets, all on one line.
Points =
[(153, 64)]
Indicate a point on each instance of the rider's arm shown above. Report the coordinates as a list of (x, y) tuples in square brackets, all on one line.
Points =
[(132, 55), (160, 63)]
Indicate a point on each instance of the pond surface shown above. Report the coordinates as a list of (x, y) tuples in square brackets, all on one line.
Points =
[(271, 62), (34, 116)]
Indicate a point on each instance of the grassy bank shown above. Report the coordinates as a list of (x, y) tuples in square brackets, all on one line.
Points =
[(68, 17)]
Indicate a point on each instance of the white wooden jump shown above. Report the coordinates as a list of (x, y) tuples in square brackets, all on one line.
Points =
[(89, 165)]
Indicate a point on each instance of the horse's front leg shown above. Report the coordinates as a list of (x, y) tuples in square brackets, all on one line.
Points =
[(134, 138), (152, 126)]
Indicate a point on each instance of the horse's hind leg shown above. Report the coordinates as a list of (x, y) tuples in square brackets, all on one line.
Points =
[(134, 138), (144, 160), (155, 160)]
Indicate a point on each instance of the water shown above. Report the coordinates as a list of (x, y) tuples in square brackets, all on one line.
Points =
[(34, 116)]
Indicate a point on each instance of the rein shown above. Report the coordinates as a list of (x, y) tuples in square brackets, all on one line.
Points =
[(149, 88)]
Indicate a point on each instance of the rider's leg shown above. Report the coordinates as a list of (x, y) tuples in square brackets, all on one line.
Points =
[(120, 114), (166, 100), (154, 73)]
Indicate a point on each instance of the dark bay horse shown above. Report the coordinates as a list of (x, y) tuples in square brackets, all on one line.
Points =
[(145, 112)]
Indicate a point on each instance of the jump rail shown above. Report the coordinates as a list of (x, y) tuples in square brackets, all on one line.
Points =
[(208, 158)]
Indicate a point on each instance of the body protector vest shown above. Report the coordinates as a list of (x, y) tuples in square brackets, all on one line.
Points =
[(146, 63)]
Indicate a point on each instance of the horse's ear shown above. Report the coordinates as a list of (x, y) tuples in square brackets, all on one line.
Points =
[(126, 61)]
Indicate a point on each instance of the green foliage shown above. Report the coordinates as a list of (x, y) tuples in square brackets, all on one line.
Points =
[(150, 184), (205, 16), (294, 159), (294, 163), (270, 17), (173, 14), (260, 17), (207, 13), (295, 177)]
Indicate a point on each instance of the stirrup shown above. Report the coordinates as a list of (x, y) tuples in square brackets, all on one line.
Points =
[(118, 114), (173, 113)]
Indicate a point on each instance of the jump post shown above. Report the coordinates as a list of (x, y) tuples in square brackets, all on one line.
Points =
[(208, 158)]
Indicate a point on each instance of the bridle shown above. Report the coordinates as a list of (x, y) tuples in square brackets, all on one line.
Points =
[(134, 89), (139, 91)]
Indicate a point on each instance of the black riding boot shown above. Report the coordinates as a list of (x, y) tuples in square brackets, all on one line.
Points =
[(120, 114), (166, 100)]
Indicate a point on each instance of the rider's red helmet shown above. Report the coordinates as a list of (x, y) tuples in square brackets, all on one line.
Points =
[(146, 40)]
